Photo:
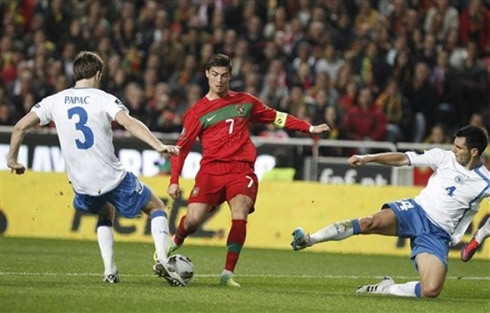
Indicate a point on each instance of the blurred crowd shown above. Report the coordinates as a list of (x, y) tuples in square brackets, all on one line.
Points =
[(400, 70)]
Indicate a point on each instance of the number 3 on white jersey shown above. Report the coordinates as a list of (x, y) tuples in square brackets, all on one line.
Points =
[(251, 181)]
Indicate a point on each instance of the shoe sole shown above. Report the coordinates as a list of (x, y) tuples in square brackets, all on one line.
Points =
[(229, 283), (467, 254), (298, 233), (172, 278)]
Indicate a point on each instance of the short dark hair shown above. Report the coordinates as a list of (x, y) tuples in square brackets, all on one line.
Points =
[(476, 137), (86, 65), (219, 60)]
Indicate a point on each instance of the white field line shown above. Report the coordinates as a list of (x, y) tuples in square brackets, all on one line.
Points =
[(242, 275)]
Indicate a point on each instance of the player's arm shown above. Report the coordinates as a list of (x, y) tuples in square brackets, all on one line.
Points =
[(190, 131), (140, 131), (264, 114), (30, 120), (388, 158)]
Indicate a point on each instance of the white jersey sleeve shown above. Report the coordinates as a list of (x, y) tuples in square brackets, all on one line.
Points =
[(453, 193), (43, 111), (431, 158), (114, 106)]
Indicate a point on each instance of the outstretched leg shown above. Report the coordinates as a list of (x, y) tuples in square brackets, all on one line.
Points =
[(196, 212), (382, 223)]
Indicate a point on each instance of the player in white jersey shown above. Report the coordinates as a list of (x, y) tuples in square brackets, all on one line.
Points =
[(479, 237), (83, 116), (434, 220)]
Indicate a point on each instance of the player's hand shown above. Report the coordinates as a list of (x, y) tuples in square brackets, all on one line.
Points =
[(318, 129), (174, 191), (16, 168), (357, 160), (172, 150)]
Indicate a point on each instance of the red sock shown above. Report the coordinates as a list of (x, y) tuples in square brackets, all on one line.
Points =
[(236, 239), (181, 232)]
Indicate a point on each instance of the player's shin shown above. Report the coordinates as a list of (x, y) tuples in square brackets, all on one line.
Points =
[(336, 231), (181, 232), (409, 289), (159, 231), (105, 239), (234, 244)]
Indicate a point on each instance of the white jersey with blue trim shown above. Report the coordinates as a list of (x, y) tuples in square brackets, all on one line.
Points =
[(83, 118), (453, 193)]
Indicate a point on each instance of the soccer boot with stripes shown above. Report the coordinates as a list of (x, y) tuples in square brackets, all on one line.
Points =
[(378, 288), (167, 272)]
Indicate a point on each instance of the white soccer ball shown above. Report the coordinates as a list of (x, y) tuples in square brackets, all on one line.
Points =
[(183, 266)]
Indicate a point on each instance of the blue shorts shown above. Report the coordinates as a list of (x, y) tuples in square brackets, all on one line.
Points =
[(424, 235), (129, 197)]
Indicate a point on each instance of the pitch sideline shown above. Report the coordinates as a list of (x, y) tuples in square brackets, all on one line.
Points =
[(241, 275)]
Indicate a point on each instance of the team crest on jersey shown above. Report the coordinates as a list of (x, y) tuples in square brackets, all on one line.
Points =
[(195, 192), (459, 179), (241, 109)]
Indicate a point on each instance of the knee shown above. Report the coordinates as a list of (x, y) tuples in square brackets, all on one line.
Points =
[(367, 224), (430, 291), (240, 213), (191, 223), (106, 214)]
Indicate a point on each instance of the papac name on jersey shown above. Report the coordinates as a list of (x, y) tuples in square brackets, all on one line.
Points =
[(76, 100)]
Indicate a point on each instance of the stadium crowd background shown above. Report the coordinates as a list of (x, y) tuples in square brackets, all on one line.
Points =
[(373, 70)]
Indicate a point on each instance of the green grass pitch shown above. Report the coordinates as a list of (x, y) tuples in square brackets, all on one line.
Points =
[(39, 275)]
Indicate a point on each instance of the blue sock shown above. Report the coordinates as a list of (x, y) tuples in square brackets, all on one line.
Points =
[(158, 213), (418, 292), (356, 227)]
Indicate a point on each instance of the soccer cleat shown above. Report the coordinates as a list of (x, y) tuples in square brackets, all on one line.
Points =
[(376, 288), (172, 247), (469, 250), (300, 239), (167, 272), (112, 278), (227, 280)]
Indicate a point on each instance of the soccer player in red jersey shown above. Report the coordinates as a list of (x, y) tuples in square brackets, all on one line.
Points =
[(221, 121)]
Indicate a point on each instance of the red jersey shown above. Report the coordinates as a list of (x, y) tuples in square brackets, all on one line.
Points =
[(222, 127)]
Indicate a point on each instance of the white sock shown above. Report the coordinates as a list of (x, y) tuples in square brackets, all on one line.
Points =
[(483, 232), (409, 289), (336, 231), (159, 231), (227, 273), (106, 245)]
